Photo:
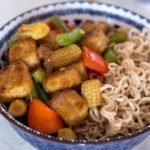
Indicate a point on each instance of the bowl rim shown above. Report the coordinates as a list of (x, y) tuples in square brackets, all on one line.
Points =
[(35, 133)]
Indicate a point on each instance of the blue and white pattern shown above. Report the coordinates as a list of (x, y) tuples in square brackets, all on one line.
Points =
[(74, 11)]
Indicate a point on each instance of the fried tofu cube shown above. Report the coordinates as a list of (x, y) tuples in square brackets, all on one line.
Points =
[(66, 100), (61, 80), (15, 81), (26, 51), (81, 68), (89, 26), (96, 40)]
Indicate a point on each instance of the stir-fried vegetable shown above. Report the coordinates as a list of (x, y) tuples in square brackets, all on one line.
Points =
[(72, 37), (36, 30), (38, 92), (17, 108), (39, 75), (66, 56), (42, 94), (94, 61), (91, 92), (67, 133), (70, 106), (118, 37), (110, 55), (42, 118), (34, 93), (58, 23), (50, 73)]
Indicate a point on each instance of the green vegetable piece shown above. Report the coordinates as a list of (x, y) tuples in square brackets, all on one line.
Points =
[(34, 93), (118, 38), (39, 75), (58, 23), (42, 94), (111, 45), (10, 43), (110, 56), (72, 37)]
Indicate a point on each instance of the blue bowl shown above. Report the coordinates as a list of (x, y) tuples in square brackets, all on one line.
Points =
[(74, 12)]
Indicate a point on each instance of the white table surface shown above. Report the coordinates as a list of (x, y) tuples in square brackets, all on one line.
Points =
[(9, 139)]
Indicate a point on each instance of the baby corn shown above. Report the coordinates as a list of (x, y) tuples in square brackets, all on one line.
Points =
[(17, 108), (90, 89), (66, 56)]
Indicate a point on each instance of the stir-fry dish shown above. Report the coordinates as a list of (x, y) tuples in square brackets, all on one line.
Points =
[(87, 81)]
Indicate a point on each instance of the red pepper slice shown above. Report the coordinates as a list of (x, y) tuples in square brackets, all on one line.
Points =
[(53, 28), (94, 61)]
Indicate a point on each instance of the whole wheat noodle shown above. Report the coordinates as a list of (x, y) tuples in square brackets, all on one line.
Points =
[(126, 90)]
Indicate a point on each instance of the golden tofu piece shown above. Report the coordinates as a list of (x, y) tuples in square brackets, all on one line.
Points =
[(15, 82), (26, 51), (89, 26), (61, 80), (72, 108), (36, 30), (81, 69), (96, 40)]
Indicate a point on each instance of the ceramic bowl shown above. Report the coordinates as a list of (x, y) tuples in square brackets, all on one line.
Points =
[(74, 12)]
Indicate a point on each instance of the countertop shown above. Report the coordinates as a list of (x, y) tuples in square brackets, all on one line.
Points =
[(9, 139)]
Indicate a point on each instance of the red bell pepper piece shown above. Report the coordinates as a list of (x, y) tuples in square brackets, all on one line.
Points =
[(53, 28), (94, 61)]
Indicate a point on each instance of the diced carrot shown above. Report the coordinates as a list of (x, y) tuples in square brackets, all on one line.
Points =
[(43, 119)]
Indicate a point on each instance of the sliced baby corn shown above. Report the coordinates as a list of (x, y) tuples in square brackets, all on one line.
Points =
[(66, 56), (90, 90), (17, 108)]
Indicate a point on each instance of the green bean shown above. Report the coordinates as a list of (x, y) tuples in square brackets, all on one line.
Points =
[(72, 37), (42, 94), (58, 23), (111, 45), (118, 37), (110, 55), (34, 93), (39, 75)]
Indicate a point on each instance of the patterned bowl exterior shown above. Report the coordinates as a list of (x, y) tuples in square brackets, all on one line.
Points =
[(74, 12)]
